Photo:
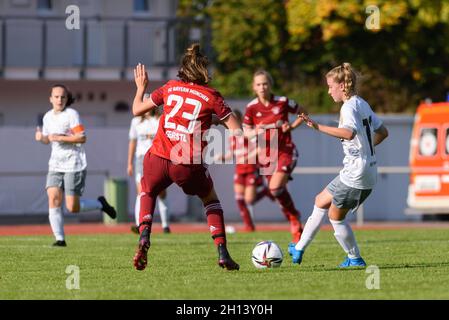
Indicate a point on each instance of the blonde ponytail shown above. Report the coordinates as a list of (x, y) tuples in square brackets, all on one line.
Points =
[(344, 74)]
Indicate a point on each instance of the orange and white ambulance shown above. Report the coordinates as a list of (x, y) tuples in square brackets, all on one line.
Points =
[(428, 190)]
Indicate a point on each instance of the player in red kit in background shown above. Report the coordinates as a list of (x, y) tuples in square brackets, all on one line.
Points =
[(267, 116), (176, 153), (249, 187)]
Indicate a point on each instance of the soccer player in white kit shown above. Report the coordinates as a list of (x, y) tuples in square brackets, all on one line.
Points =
[(359, 130), (67, 165), (141, 134)]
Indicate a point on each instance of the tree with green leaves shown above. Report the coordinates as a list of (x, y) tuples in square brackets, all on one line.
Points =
[(400, 47)]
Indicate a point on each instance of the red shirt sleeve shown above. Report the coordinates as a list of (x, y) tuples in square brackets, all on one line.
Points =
[(248, 117), (157, 96), (220, 106)]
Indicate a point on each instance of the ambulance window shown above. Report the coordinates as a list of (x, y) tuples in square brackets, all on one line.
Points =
[(428, 142), (447, 141)]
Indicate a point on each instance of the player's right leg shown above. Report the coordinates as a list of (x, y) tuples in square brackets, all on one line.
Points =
[(312, 226), (155, 179), (55, 212)]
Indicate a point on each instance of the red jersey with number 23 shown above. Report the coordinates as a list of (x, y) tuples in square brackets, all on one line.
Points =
[(187, 114)]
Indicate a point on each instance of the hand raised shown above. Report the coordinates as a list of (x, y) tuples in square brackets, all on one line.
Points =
[(140, 76)]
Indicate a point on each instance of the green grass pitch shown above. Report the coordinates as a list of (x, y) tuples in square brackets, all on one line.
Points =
[(413, 264)]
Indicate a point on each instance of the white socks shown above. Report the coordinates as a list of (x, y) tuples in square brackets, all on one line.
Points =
[(312, 227), (345, 237), (137, 210), (163, 210), (56, 218), (90, 205)]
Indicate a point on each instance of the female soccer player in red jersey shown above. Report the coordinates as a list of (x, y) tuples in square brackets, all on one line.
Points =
[(176, 153), (267, 116), (249, 187)]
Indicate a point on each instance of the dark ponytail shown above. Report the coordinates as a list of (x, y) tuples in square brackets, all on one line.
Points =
[(194, 66)]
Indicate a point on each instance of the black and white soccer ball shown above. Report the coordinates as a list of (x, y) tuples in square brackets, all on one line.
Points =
[(267, 254)]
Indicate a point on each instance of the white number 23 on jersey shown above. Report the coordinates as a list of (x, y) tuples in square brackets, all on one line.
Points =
[(179, 101)]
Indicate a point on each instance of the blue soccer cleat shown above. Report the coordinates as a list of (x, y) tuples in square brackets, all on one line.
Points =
[(291, 246), (356, 262), (296, 254)]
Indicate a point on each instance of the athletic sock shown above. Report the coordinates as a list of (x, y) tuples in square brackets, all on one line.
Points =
[(244, 212), (345, 237), (215, 221), (163, 210), (147, 204), (285, 201), (56, 217), (311, 228), (137, 210)]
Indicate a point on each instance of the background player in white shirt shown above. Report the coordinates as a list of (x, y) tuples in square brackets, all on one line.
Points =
[(141, 134), (67, 165), (359, 130)]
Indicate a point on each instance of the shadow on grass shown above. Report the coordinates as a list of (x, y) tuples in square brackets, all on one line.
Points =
[(380, 266)]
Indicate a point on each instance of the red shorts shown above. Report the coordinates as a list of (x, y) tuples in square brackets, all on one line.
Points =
[(285, 162), (248, 179), (159, 173)]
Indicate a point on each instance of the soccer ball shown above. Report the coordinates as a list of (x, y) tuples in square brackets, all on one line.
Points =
[(267, 254)]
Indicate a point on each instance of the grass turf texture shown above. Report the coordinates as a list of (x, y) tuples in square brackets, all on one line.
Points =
[(413, 264)]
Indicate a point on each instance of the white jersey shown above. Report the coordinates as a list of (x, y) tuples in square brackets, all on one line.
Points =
[(360, 166), (143, 132), (65, 157)]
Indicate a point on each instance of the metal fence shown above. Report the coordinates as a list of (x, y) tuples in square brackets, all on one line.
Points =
[(117, 43), (336, 170)]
